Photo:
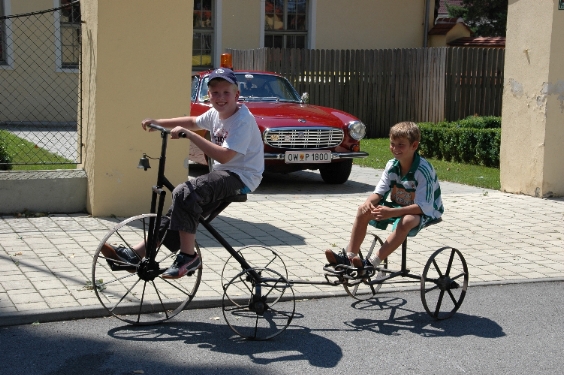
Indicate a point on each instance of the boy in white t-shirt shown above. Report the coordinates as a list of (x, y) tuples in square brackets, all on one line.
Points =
[(237, 148)]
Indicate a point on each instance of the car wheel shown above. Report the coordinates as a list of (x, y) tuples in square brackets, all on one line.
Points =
[(336, 173)]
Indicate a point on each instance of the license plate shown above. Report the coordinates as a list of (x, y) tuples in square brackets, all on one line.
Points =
[(322, 156)]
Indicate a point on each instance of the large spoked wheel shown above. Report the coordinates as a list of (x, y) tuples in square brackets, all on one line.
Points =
[(363, 290), (444, 283), (137, 294), (269, 309)]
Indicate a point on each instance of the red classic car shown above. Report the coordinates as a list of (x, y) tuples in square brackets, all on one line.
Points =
[(296, 135)]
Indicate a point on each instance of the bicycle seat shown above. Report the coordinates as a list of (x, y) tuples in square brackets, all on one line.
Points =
[(436, 221), (210, 212), (236, 198)]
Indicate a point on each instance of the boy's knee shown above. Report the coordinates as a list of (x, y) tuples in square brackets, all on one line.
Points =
[(180, 192), (409, 221), (363, 214)]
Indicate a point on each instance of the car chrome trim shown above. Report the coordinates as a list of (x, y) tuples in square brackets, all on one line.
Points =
[(334, 155), (357, 130), (301, 138)]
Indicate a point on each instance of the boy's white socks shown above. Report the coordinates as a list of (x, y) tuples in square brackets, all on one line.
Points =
[(350, 255), (374, 260)]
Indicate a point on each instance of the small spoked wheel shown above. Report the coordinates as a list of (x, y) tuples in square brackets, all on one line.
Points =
[(257, 257), (136, 293), (444, 283), (258, 303), (364, 290)]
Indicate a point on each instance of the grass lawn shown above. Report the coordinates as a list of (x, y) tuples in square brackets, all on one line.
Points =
[(467, 174), (23, 151), (378, 148)]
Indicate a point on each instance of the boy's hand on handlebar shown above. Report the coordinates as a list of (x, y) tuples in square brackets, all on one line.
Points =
[(146, 122), (179, 132)]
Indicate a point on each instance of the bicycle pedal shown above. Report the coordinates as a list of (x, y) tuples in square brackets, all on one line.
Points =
[(121, 267), (338, 279), (333, 270)]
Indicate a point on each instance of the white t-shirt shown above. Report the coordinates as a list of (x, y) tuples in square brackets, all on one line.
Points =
[(239, 133)]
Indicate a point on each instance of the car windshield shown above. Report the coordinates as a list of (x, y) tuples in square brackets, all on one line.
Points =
[(259, 87)]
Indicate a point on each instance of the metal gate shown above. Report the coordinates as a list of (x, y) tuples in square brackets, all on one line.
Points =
[(40, 88)]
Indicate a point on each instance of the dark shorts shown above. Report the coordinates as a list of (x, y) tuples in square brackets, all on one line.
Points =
[(193, 199)]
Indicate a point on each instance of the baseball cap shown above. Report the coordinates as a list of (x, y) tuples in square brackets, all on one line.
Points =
[(223, 73)]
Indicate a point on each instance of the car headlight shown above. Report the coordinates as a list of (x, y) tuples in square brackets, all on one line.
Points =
[(357, 130)]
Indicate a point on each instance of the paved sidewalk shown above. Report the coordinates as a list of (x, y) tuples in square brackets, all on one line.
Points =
[(45, 262)]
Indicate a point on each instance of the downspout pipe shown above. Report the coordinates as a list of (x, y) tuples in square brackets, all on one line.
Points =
[(426, 23)]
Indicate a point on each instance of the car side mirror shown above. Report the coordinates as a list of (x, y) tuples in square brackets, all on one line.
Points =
[(305, 98)]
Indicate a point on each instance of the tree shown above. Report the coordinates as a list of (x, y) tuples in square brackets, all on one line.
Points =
[(484, 17)]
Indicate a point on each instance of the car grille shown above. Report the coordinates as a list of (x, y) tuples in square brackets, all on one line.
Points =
[(299, 138)]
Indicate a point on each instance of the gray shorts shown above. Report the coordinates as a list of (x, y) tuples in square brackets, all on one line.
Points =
[(195, 198)]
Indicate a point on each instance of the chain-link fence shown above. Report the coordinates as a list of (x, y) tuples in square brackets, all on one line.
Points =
[(40, 92)]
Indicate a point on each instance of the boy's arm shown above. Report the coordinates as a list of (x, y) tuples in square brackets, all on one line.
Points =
[(370, 203), (383, 212), (186, 122), (373, 199), (216, 152), (185, 125)]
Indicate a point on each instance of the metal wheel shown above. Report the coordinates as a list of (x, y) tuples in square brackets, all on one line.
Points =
[(269, 309), (362, 290), (257, 257), (444, 282), (137, 294)]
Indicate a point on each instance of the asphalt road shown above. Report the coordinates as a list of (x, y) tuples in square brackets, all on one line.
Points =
[(501, 329)]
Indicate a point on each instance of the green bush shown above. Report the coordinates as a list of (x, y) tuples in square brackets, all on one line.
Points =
[(473, 140), (5, 156)]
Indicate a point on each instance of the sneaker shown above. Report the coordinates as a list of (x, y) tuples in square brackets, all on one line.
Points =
[(361, 264), (125, 257), (182, 265), (336, 259)]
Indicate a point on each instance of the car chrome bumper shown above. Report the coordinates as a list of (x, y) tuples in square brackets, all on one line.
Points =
[(334, 155)]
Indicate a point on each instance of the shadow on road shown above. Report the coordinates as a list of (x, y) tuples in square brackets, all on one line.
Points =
[(294, 344), (400, 319)]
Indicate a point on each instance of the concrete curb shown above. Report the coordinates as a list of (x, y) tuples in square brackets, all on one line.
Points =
[(89, 312)]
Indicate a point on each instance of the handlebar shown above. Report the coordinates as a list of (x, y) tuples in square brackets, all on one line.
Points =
[(164, 130)]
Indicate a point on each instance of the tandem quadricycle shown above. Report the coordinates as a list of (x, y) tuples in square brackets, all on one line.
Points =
[(258, 298)]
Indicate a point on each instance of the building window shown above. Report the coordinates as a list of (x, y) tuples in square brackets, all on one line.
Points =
[(202, 46), (70, 38), (285, 23)]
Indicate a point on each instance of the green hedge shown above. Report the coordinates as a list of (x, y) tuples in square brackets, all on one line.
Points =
[(5, 157), (474, 140)]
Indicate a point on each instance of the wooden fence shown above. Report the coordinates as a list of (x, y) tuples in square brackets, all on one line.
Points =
[(383, 87), (474, 83)]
